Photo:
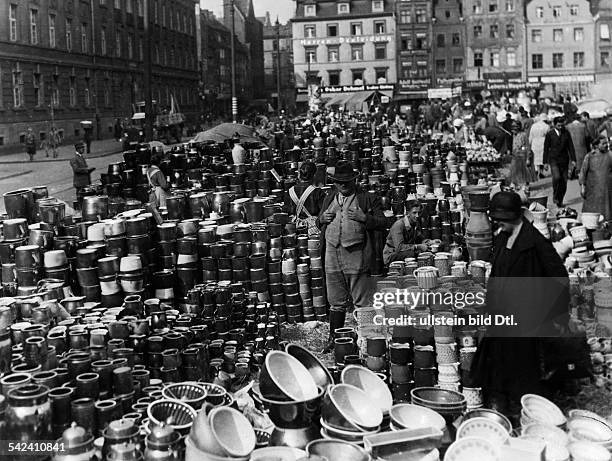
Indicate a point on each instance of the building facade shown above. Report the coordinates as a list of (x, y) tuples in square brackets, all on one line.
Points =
[(249, 31), (560, 43), (216, 68), (62, 62), (414, 38), (603, 40), (495, 39), (344, 42), (278, 54), (448, 47)]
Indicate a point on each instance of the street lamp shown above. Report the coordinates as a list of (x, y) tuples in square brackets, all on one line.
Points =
[(278, 67)]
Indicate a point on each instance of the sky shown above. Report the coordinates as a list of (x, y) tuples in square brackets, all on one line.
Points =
[(283, 8)]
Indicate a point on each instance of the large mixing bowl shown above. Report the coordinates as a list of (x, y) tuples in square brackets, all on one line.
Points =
[(292, 414), (337, 450), (370, 383), (348, 407), (283, 377), (317, 370)]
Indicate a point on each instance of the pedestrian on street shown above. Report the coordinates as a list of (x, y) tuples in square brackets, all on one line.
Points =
[(591, 127), (529, 281), (594, 179), (87, 139), (578, 132), (537, 136), (30, 144), (118, 130), (348, 217), (558, 153), (82, 172), (157, 182)]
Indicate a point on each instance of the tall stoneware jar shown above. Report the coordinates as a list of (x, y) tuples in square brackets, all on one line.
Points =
[(28, 413)]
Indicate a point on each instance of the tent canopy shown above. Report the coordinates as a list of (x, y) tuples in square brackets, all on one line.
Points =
[(357, 101), (227, 131), (595, 107)]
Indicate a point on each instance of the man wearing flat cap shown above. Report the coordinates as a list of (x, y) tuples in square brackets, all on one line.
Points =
[(529, 281), (347, 220), (82, 172)]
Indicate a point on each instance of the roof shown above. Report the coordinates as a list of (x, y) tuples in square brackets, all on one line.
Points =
[(329, 8)]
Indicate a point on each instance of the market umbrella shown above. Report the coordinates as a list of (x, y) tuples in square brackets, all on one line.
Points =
[(227, 131), (158, 145), (595, 107)]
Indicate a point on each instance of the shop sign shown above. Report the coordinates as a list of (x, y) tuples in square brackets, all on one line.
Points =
[(567, 78), (512, 86), (457, 90), (475, 84), (414, 84), (354, 88), (440, 93), (341, 40), (449, 81), (502, 75)]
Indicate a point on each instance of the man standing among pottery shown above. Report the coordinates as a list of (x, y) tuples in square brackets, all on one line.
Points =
[(529, 281), (404, 239), (558, 152), (347, 220), (82, 172)]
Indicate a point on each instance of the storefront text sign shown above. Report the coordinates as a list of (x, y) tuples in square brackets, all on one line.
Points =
[(341, 40)]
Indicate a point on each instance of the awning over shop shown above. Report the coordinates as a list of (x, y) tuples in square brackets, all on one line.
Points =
[(339, 99)]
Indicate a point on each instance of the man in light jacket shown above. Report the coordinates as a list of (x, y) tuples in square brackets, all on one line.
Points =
[(537, 134)]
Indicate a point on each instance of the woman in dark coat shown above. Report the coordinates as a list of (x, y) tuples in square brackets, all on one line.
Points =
[(529, 281)]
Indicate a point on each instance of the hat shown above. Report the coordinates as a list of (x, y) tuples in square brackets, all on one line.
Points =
[(344, 172), (505, 206), (79, 144), (458, 123)]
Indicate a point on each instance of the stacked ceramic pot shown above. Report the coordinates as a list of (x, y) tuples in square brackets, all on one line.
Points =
[(401, 356), (87, 269), (317, 280), (479, 237), (376, 358), (28, 264)]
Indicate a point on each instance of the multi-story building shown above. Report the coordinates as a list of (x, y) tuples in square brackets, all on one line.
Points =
[(62, 62), (495, 40), (344, 42), (249, 31), (278, 62), (560, 41), (603, 40), (448, 47), (216, 67), (414, 57)]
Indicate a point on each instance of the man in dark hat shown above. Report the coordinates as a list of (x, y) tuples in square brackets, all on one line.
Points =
[(558, 152), (82, 172), (529, 281), (348, 217)]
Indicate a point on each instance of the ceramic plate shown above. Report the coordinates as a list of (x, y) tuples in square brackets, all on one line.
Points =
[(484, 428), (472, 449)]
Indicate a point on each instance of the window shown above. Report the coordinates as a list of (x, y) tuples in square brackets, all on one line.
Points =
[(422, 70), (72, 91), (536, 35), (557, 35), (477, 31), (539, 12), (13, 22), (405, 17), (87, 94), (578, 34), (574, 10), (380, 51), (156, 11), (52, 40), (604, 32), (379, 27), (84, 44), (1, 88), (103, 41), (537, 61), (420, 16), (406, 43), (128, 6), (579, 59), (334, 78), (457, 65), (344, 8), (357, 52), (509, 6), (440, 66), (494, 59), (140, 49), (356, 28), (477, 8), (378, 6), (456, 40), (510, 31), (493, 7), (333, 53), (557, 60), (17, 86), (494, 31), (421, 42), (358, 77), (511, 58), (332, 30), (69, 34), (604, 59), (381, 76), (118, 4), (310, 10), (478, 60), (34, 27), (140, 6), (118, 44), (310, 31), (447, 14), (55, 96), (440, 39), (311, 54), (556, 11)]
